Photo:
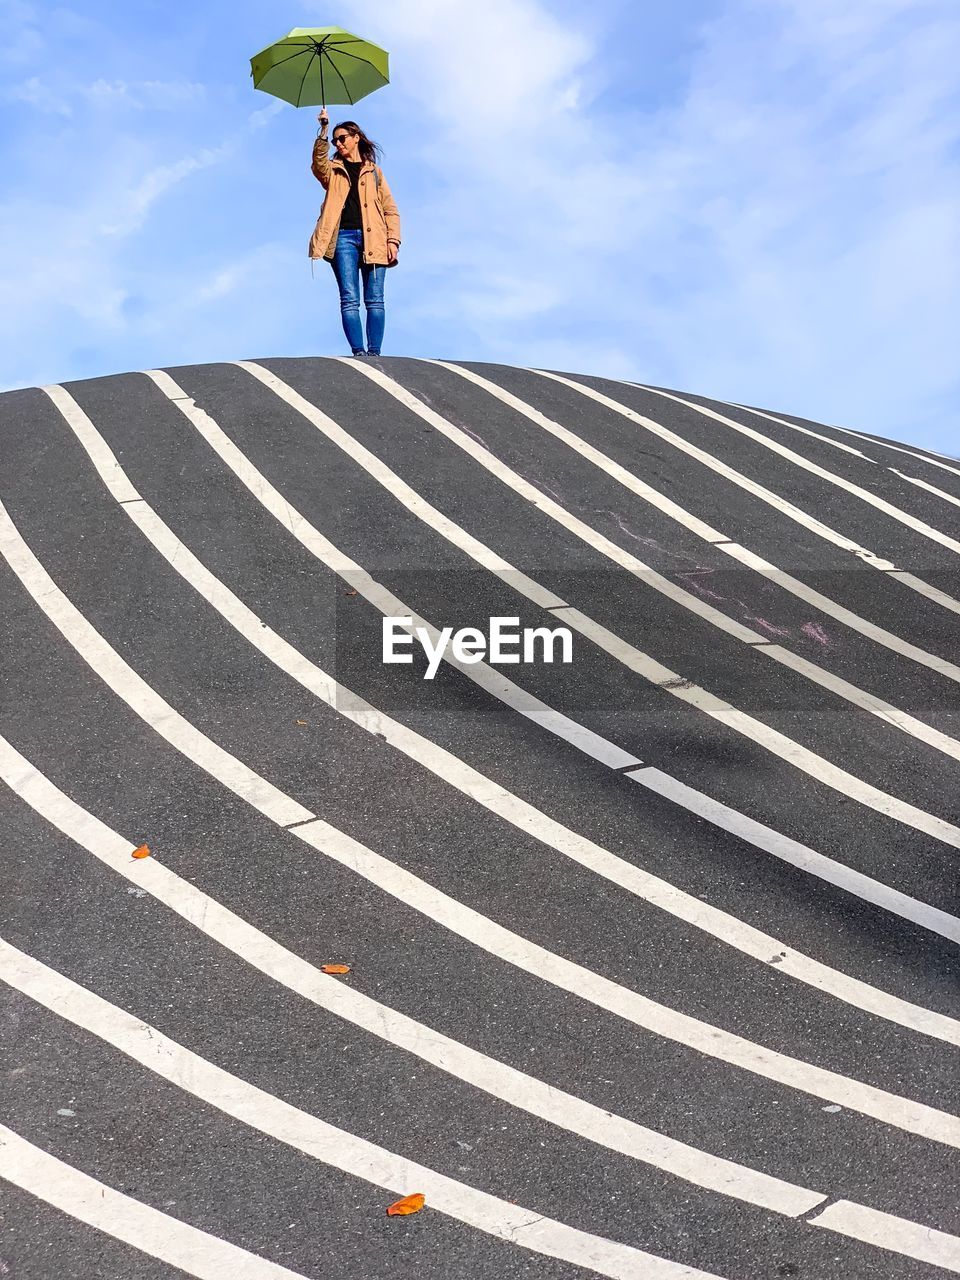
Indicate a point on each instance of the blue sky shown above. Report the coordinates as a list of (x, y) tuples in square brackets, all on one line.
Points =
[(752, 199)]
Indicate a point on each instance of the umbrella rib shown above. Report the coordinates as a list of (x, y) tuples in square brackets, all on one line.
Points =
[(342, 53), (342, 81), (301, 51), (303, 80)]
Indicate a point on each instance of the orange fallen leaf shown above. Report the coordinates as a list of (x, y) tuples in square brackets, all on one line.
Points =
[(141, 852), (301, 722), (409, 1204), (350, 593), (334, 968)]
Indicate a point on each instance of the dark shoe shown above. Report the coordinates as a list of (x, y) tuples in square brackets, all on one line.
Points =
[(374, 353), (359, 355)]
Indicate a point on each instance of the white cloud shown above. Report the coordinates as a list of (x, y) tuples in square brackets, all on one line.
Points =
[(253, 268), (155, 95), (131, 206), (263, 115), (37, 94), (783, 232), (57, 95)]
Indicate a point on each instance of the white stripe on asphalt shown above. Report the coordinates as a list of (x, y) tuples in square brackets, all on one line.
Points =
[(459, 537), (903, 1113), (794, 426), (360, 1158), (869, 629), (911, 453), (932, 593), (721, 468), (310, 538), (157, 1234), (319, 1140), (909, 1239), (526, 818), (930, 488), (630, 1005), (750, 486), (847, 784), (791, 851), (495, 1078), (143, 699), (689, 521), (888, 509), (613, 645), (921, 484), (648, 668), (492, 682), (137, 693)]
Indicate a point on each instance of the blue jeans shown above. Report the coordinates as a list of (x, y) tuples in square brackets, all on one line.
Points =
[(348, 265)]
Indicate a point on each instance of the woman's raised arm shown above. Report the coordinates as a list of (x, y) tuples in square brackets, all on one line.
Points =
[(320, 163)]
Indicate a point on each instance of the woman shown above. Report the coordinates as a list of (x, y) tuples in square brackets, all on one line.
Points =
[(358, 230)]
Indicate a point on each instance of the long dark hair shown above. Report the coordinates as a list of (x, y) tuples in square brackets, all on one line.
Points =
[(368, 148)]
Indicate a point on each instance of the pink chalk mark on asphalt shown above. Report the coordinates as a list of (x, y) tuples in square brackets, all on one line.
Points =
[(815, 632), (771, 628), (691, 580), (475, 436), (639, 537), (545, 488)]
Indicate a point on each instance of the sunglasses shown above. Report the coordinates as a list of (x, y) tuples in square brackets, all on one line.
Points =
[(343, 137)]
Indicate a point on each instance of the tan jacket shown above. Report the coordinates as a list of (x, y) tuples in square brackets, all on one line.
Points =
[(381, 220)]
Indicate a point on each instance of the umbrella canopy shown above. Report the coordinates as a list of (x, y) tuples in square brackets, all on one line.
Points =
[(312, 66)]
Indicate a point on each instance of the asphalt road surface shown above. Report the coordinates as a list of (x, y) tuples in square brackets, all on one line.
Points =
[(652, 953)]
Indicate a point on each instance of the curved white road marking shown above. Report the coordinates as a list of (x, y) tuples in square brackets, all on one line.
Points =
[(921, 484), (794, 426), (772, 499), (787, 850), (910, 1239), (118, 1215), (488, 935), (911, 453), (140, 1225), (648, 668), (483, 555), (492, 1076), (930, 488), (689, 521), (527, 818), (363, 1159), (888, 508), (287, 657), (924, 588), (321, 1141), (763, 735)]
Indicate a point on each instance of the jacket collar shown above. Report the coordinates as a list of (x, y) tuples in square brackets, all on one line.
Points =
[(338, 164)]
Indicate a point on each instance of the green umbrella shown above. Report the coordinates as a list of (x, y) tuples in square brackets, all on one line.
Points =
[(312, 66)]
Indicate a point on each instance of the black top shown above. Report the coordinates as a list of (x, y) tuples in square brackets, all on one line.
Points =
[(351, 219)]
